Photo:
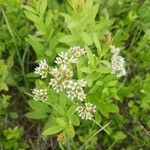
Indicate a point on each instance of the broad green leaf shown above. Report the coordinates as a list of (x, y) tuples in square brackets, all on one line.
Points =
[(97, 44), (105, 108), (68, 39), (39, 106), (86, 70), (73, 24), (63, 100), (33, 17), (48, 19), (89, 4), (53, 130), (61, 121), (71, 111), (70, 131), (30, 9), (92, 77), (119, 136), (90, 56), (86, 38), (40, 84), (59, 110), (75, 120), (37, 46), (43, 7), (112, 83), (40, 26), (36, 115)]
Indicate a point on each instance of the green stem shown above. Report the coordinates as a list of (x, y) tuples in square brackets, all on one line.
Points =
[(60, 145), (101, 126), (110, 147), (94, 135), (74, 147), (15, 44)]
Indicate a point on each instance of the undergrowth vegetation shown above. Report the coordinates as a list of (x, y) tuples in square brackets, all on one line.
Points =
[(75, 75)]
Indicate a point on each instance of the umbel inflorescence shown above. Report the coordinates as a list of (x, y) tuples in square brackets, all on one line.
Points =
[(62, 80), (117, 62)]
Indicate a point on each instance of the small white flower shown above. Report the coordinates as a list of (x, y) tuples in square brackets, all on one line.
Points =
[(86, 111), (74, 89), (67, 73), (42, 69), (82, 82), (117, 62), (56, 84), (114, 50), (57, 74), (40, 94), (62, 59), (77, 51), (121, 73)]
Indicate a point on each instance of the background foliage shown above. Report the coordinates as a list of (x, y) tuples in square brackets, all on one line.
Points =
[(36, 29)]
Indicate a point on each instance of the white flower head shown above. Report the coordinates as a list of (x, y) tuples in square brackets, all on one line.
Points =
[(55, 72), (40, 94), (117, 62), (114, 50), (86, 111), (82, 82), (56, 84), (77, 51), (118, 65), (74, 89), (62, 59), (42, 69)]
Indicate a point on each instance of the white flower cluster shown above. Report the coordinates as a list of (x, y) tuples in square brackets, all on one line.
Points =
[(40, 94), (74, 89), (117, 62), (69, 57), (85, 112), (62, 76), (42, 69), (62, 80)]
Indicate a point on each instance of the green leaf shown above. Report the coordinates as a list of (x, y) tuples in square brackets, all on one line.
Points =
[(58, 109), (40, 26), (70, 131), (112, 83), (61, 121), (75, 120), (53, 130), (71, 111), (36, 115), (97, 44), (105, 108), (30, 9), (39, 107), (40, 84), (119, 136), (92, 77), (49, 19), (33, 17), (90, 56), (68, 39), (37, 46), (86, 38), (86, 70), (43, 7)]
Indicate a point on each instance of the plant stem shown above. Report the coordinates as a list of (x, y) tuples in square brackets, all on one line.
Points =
[(15, 44), (94, 135), (101, 126)]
